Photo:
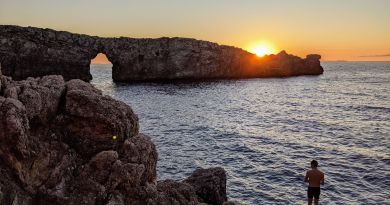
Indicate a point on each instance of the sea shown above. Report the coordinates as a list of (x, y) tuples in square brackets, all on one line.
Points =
[(265, 132)]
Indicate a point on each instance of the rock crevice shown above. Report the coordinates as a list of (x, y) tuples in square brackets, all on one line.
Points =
[(35, 52)]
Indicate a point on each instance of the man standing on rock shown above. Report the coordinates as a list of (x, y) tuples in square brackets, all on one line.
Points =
[(315, 178)]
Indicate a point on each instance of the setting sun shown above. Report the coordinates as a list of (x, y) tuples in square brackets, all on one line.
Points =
[(261, 49)]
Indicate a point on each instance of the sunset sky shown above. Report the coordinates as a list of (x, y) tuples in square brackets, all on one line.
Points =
[(336, 29)]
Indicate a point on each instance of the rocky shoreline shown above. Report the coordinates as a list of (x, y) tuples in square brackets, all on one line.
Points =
[(36, 52), (64, 143)]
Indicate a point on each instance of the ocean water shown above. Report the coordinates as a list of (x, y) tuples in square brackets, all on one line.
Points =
[(265, 132)]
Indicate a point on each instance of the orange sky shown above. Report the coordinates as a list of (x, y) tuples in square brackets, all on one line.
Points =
[(100, 59), (355, 30)]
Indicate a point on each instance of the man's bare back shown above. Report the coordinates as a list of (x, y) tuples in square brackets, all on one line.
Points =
[(315, 177)]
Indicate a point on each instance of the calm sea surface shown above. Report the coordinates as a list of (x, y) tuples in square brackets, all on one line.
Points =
[(265, 132)]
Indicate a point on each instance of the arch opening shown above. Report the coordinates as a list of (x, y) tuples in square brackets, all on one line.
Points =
[(101, 71)]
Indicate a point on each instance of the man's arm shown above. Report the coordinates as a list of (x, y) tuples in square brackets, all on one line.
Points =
[(307, 177), (323, 179)]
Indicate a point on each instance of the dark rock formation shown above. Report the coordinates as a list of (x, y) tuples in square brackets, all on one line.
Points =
[(177, 193), (26, 52), (57, 147), (32, 52), (209, 184)]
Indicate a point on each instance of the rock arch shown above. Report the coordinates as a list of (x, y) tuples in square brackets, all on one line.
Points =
[(31, 52)]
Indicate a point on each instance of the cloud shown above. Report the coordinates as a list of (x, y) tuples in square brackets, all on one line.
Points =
[(377, 55)]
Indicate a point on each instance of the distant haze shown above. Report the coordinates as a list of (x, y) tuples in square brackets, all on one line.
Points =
[(336, 29)]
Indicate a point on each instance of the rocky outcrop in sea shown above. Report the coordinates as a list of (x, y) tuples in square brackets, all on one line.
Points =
[(35, 52), (64, 143)]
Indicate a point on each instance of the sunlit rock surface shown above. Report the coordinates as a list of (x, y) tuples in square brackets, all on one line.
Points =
[(57, 147), (31, 52)]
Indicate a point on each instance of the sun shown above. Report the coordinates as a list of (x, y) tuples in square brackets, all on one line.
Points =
[(262, 49)]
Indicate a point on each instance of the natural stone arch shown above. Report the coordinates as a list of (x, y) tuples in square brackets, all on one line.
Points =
[(33, 52)]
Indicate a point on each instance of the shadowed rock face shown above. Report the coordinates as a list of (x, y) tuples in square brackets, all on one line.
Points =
[(57, 148), (209, 184), (27, 51), (33, 52)]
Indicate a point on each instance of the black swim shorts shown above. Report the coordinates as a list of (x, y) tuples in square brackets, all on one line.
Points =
[(313, 192)]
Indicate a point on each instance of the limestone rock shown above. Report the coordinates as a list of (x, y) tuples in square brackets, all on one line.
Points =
[(57, 148), (172, 192), (41, 96), (209, 184), (10, 192), (14, 130), (77, 84), (31, 52), (92, 120), (141, 150)]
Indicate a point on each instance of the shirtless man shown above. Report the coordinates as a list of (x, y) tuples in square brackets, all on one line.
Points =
[(315, 178)]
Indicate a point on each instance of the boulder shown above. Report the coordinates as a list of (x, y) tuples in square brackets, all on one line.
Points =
[(210, 185), (80, 85), (141, 150), (172, 192), (95, 122)]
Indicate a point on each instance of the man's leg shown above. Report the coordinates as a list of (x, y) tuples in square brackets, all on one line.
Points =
[(317, 196), (310, 201), (316, 201), (309, 196)]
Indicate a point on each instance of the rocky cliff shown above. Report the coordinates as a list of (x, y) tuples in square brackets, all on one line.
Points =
[(64, 143), (32, 52)]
